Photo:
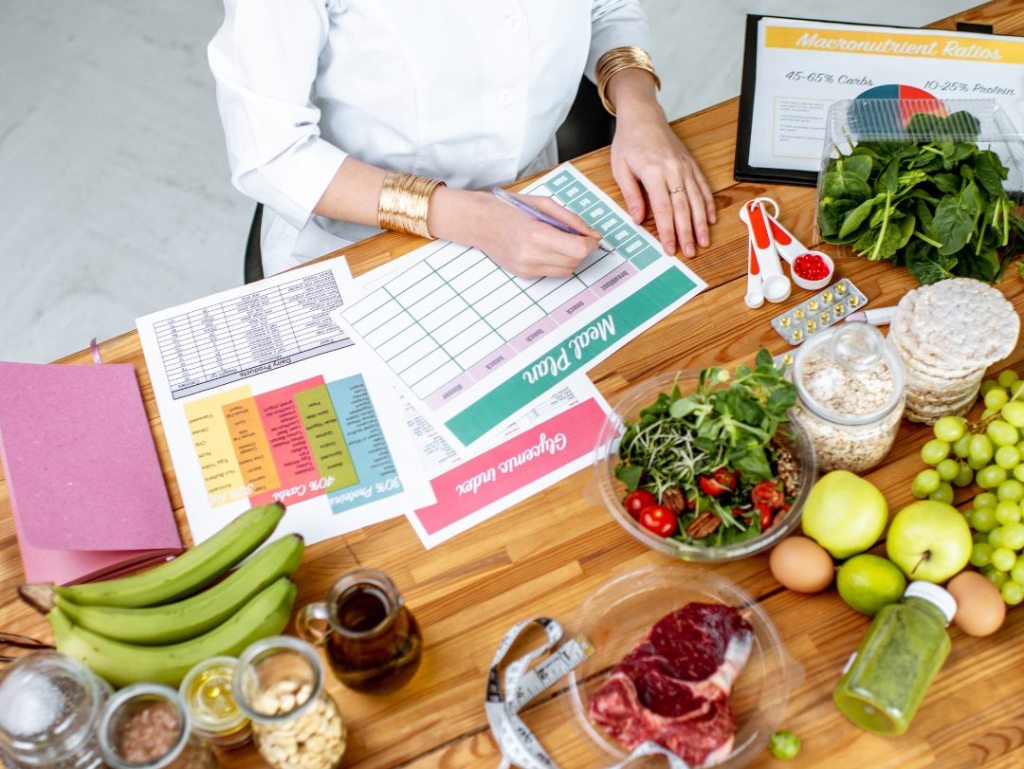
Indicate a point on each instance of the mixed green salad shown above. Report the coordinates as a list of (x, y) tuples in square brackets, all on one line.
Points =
[(933, 201), (714, 466)]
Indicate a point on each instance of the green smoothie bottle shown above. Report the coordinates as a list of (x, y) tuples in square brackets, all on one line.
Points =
[(886, 679)]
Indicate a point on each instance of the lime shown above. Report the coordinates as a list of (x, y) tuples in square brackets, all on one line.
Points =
[(867, 583)]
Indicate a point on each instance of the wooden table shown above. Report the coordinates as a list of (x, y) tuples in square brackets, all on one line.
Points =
[(548, 553)]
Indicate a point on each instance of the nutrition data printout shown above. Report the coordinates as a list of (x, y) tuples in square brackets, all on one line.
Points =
[(472, 345), (263, 397), (805, 66)]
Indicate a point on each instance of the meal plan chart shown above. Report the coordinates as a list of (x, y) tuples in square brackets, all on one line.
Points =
[(264, 398), (474, 344)]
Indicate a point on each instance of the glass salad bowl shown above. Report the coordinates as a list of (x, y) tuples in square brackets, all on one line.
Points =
[(731, 539), (618, 615)]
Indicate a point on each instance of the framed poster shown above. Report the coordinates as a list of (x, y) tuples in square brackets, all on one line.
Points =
[(794, 69)]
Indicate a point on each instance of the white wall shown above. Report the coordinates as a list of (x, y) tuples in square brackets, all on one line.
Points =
[(698, 46), (114, 192)]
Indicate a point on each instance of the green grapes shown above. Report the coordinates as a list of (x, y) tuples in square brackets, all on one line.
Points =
[(943, 494), (925, 482), (1013, 536), (1011, 489), (951, 429), (988, 477), (980, 450), (1007, 378), (996, 577), (965, 475), (1013, 413), (996, 398), (986, 499), (983, 519), (934, 451), (989, 454), (1008, 457), (1003, 558), (961, 444), (1012, 593), (981, 554), (948, 469)]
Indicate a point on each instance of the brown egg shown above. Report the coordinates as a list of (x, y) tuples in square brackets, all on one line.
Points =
[(980, 610), (801, 564)]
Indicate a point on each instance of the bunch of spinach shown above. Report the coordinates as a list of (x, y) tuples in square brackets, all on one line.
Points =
[(933, 202), (678, 438)]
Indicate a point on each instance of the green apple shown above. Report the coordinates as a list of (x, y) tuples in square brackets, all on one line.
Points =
[(929, 540), (844, 513)]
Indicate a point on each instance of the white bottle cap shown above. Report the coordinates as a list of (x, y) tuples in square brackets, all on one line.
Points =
[(935, 595)]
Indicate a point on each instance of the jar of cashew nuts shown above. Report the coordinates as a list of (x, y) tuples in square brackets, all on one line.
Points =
[(279, 685)]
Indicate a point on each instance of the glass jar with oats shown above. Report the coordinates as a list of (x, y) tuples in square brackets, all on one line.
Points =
[(849, 384)]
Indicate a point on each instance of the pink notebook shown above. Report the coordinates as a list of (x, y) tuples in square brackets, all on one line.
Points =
[(87, 494)]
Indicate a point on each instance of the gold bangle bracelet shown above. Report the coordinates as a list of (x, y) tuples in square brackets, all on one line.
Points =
[(616, 60), (404, 202)]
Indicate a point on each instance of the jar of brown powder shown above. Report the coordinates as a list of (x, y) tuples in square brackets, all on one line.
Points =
[(146, 726)]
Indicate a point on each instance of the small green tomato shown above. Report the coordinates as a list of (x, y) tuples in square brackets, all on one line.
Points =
[(784, 744)]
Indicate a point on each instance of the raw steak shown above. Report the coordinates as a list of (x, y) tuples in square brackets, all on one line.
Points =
[(673, 687)]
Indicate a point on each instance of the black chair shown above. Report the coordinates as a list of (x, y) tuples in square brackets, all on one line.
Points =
[(588, 127)]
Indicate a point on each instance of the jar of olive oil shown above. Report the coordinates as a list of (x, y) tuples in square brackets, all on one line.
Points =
[(216, 716)]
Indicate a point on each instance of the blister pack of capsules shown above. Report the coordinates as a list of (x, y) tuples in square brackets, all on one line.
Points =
[(824, 309)]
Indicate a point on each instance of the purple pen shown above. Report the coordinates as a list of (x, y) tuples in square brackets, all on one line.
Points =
[(540, 216)]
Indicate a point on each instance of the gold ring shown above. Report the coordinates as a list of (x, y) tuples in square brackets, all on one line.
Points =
[(674, 190)]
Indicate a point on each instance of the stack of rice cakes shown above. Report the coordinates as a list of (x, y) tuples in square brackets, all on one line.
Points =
[(947, 334)]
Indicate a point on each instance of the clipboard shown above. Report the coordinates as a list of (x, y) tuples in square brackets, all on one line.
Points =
[(746, 169)]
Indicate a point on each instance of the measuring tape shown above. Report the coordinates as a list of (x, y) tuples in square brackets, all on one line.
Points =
[(517, 743)]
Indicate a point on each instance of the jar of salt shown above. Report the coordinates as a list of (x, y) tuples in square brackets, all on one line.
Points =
[(850, 396), (50, 706)]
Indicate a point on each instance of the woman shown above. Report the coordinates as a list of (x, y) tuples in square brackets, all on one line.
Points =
[(321, 99)]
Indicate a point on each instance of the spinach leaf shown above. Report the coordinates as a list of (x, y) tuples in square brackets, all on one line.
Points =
[(753, 465), (983, 265), (926, 264), (855, 218), (947, 183), (954, 219), (630, 475), (842, 184), (990, 173), (858, 165)]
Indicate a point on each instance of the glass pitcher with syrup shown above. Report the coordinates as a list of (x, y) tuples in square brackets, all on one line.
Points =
[(371, 639)]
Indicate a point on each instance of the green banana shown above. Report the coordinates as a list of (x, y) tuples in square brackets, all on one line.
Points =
[(190, 571), (186, 619), (121, 664)]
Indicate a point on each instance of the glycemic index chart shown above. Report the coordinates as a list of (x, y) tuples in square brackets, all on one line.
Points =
[(474, 343)]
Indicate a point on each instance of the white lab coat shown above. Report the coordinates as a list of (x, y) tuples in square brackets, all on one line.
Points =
[(468, 91)]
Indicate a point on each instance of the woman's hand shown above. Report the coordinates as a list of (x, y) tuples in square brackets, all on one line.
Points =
[(512, 238), (648, 157)]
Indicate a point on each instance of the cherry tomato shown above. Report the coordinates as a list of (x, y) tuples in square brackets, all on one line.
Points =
[(658, 519), (637, 500), (725, 477), (766, 515), (768, 493), (719, 482)]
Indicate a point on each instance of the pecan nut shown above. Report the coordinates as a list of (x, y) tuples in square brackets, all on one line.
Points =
[(674, 500), (703, 524)]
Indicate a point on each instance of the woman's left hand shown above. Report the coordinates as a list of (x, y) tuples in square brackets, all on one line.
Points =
[(648, 157)]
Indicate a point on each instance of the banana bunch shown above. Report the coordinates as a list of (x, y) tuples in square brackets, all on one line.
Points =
[(156, 625)]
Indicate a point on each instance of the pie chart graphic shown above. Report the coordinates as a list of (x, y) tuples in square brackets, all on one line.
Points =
[(912, 100)]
